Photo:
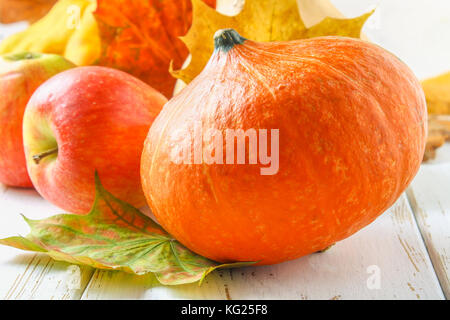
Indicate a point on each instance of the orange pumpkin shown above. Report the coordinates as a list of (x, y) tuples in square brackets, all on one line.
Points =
[(352, 129)]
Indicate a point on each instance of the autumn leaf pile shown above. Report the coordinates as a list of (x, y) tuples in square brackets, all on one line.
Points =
[(151, 40)]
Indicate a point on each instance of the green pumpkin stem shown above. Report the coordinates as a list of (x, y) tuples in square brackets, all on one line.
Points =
[(226, 39)]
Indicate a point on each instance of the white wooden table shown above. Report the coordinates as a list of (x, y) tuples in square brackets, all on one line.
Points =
[(405, 254)]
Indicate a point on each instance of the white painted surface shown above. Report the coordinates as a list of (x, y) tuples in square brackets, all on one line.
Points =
[(429, 195), (418, 32), (26, 275)]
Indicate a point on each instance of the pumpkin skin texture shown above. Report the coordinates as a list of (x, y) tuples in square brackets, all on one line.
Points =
[(352, 130)]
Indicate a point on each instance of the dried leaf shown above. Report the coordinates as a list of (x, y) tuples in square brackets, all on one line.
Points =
[(437, 93), (259, 20), (116, 236), (438, 134), (20, 10), (141, 37)]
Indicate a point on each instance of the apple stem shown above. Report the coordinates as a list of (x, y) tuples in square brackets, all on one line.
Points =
[(38, 157)]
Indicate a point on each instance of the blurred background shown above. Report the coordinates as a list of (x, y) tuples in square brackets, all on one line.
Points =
[(417, 31)]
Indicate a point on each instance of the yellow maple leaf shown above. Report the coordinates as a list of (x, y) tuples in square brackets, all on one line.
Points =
[(437, 93), (259, 20)]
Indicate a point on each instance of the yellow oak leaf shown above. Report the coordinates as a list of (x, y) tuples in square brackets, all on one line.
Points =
[(437, 93), (259, 20)]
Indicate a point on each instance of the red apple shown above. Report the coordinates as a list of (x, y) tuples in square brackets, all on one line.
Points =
[(87, 119), (20, 75)]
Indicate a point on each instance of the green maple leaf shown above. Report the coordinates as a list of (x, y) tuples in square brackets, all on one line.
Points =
[(116, 236)]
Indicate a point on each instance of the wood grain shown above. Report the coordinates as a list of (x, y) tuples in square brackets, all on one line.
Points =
[(28, 275), (429, 195)]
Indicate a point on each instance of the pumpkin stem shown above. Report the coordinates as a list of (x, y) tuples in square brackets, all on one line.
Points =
[(226, 39)]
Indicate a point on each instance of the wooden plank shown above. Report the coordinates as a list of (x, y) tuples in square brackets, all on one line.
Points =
[(27, 275), (391, 247), (429, 195)]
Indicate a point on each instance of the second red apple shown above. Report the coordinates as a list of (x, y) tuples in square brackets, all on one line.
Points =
[(20, 75), (87, 119)]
